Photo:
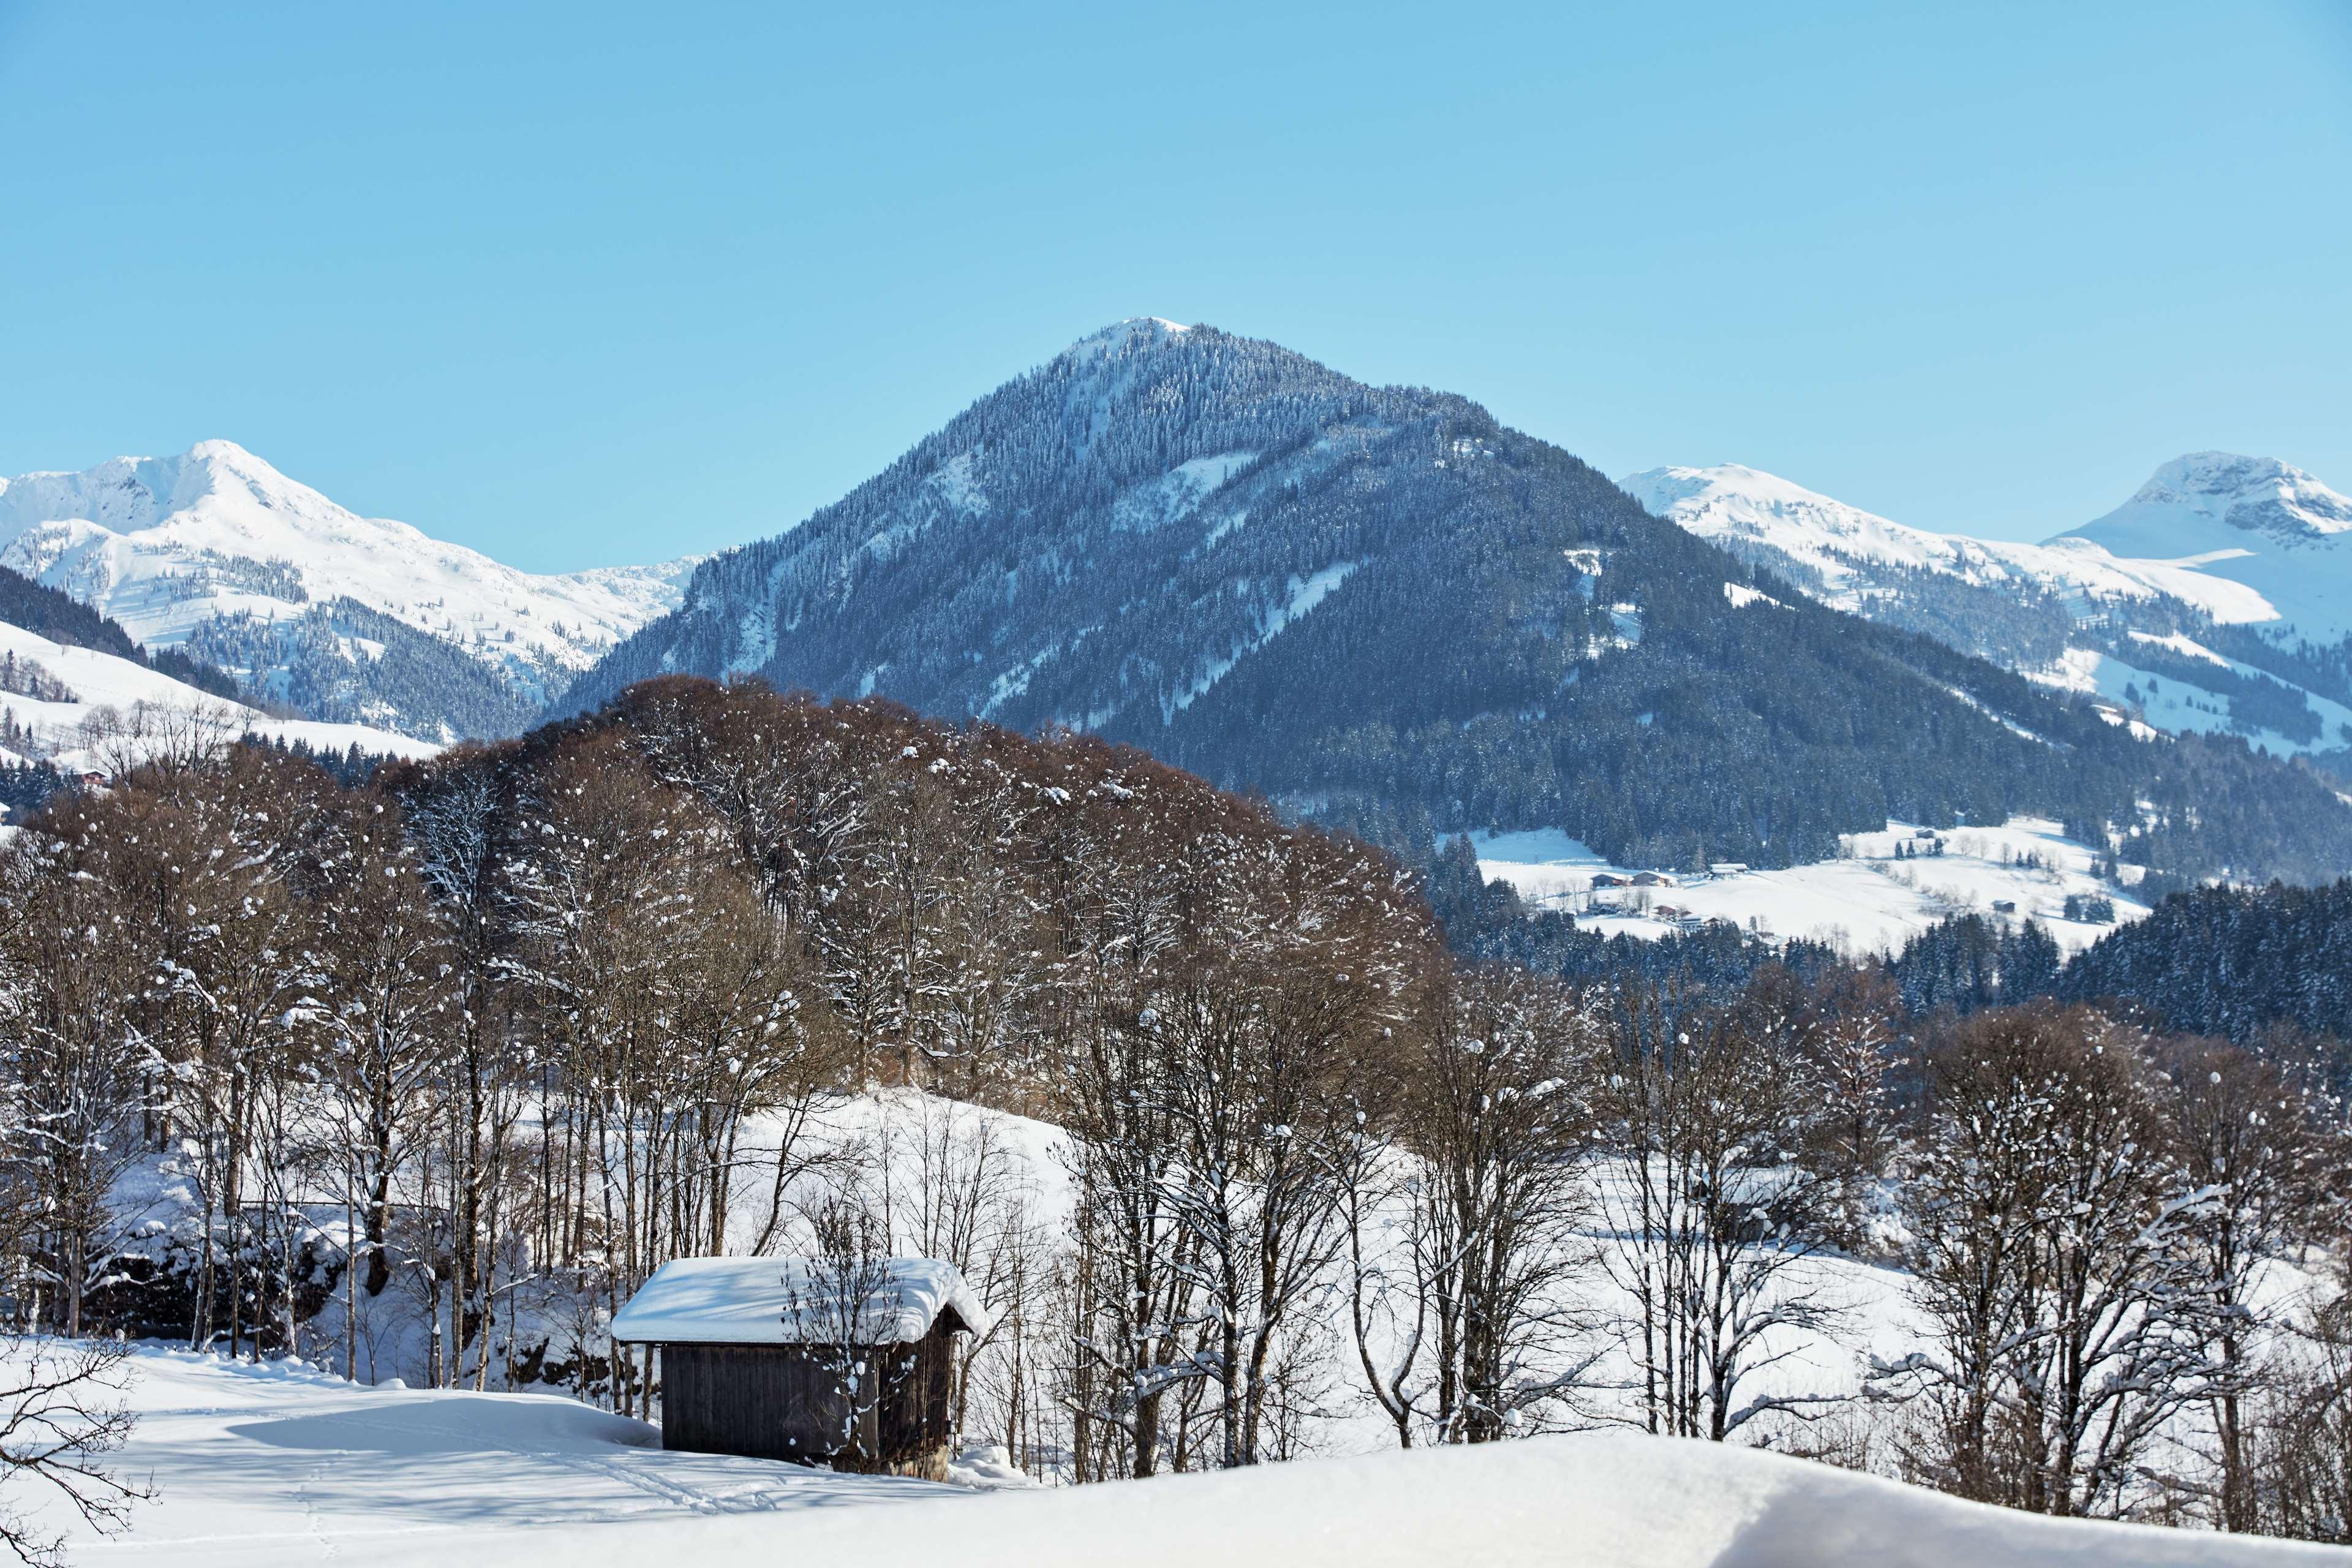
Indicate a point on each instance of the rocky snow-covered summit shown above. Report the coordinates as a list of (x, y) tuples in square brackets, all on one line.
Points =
[(2264, 528), (2260, 494), (340, 615)]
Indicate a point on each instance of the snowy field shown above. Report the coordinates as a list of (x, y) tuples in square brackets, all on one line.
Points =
[(1868, 901), (277, 1465), (284, 1463)]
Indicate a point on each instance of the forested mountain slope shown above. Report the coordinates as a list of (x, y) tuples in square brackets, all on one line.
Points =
[(1386, 609), (77, 693), (67, 707), (2232, 962), (34, 607)]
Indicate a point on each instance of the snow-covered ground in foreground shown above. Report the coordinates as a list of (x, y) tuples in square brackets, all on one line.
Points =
[(281, 1464), (1867, 902), (103, 681)]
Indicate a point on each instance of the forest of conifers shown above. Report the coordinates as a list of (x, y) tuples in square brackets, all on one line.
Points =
[(441, 1064)]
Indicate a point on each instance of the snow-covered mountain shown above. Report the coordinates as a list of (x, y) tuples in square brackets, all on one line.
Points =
[(1387, 610), (337, 614), (2262, 529), (1850, 556), (2218, 599)]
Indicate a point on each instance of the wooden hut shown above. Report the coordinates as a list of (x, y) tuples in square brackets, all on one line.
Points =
[(844, 1363)]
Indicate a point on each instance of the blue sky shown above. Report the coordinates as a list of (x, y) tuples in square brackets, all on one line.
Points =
[(581, 284)]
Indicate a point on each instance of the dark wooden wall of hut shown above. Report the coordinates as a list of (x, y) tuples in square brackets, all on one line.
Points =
[(786, 1402)]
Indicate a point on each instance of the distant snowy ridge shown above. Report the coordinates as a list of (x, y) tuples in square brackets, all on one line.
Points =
[(1733, 506), (213, 543), (2212, 544)]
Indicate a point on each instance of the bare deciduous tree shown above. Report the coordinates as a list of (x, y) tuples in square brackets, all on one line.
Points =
[(1707, 1112), (2054, 1251), (61, 1414)]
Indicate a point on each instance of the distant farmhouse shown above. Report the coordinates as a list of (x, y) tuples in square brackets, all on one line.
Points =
[(846, 1364)]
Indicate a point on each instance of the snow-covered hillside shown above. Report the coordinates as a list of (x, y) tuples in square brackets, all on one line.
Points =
[(1870, 900), (170, 546), (2212, 542), (76, 732), (281, 1465), (2180, 706)]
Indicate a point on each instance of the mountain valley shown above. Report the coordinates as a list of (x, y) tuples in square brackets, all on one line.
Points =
[(1378, 606)]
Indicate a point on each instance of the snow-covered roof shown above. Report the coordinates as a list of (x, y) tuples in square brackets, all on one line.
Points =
[(796, 1300)]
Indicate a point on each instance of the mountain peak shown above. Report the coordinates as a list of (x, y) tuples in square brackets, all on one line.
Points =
[(216, 458), (2207, 506), (1134, 332), (2254, 493), (1383, 608), (1679, 493)]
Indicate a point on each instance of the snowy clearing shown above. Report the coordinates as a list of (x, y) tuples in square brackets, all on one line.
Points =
[(2178, 707), (279, 1465), (1867, 902)]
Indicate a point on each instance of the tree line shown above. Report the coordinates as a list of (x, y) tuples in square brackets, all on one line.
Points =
[(59, 617), (428, 1070)]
